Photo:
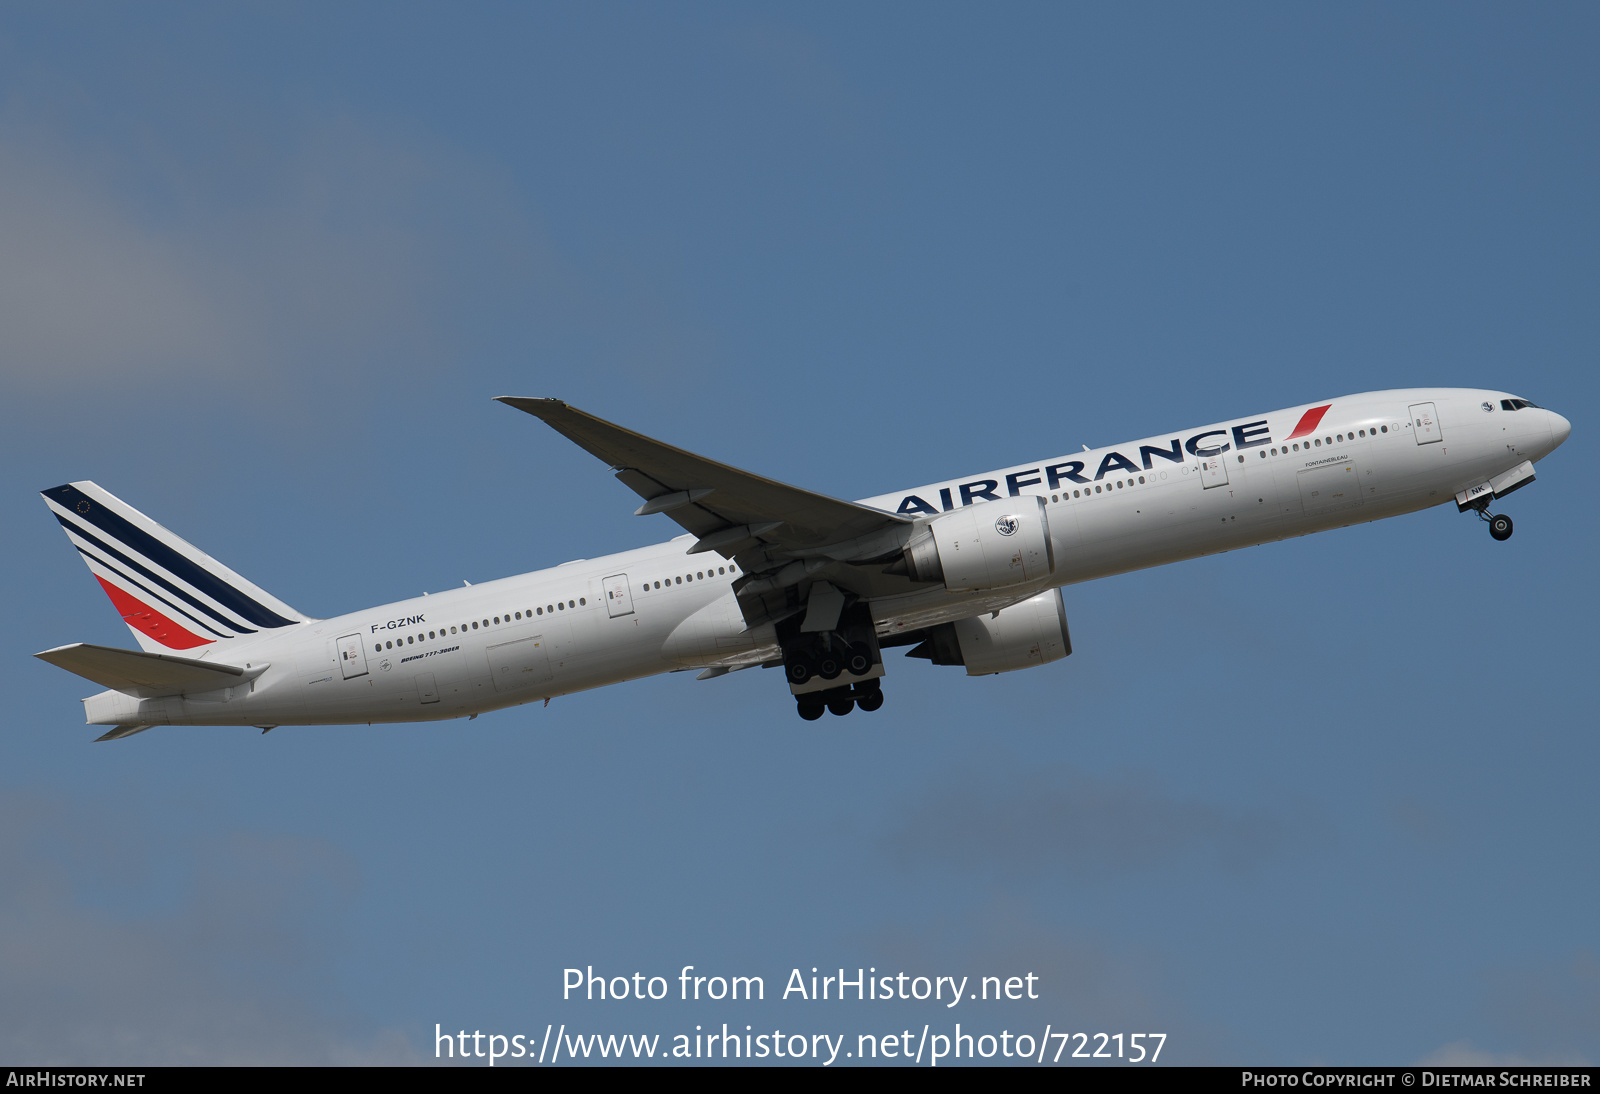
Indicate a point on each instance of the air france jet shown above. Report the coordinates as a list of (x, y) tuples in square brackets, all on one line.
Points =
[(965, 572)]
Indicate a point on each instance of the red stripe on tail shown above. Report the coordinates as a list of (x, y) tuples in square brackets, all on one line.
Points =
[(1308, 421), (149, 621)]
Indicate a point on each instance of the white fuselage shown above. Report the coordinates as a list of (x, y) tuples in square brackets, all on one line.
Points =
[(657, 609)]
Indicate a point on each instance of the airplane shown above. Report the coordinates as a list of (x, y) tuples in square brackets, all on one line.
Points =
[(966, 572)]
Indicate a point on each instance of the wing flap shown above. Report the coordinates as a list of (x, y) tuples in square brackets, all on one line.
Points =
[(146, 675)]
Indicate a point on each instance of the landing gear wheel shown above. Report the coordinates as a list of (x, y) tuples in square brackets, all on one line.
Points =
[(858, 661), (871, 701), (1500, 526), (841, 706), (810, 707), (799, 669), (829, 666)]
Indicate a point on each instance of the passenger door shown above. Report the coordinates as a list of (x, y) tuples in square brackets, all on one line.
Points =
[(1425, 424), (352, 658), (619, 599)]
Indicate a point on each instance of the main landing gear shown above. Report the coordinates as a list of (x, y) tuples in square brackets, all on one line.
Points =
[(828, 660), (833, 670), (868, 695)]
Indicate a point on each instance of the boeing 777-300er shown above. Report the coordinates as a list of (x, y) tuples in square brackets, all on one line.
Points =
[(967, 571)]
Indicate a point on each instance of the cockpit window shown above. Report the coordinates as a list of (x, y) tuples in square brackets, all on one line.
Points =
[(1518, 404)]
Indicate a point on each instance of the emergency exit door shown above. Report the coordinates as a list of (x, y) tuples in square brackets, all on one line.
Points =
[(1425, 424), (619, 600)]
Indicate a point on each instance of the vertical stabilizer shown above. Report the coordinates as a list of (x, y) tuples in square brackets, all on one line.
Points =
[(172, 595)]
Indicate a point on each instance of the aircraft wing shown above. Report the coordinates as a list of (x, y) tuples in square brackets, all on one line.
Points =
[(730, 511)]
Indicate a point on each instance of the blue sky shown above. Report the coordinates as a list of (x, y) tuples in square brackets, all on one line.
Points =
[(263, 268)]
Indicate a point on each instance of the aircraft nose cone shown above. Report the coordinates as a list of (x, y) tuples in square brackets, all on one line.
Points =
[(1559, 428)]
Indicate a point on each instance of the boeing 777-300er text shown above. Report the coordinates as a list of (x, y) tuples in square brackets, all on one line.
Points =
[(966, 571)]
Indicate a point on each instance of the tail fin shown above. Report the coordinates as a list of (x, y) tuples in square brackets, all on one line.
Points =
[(172, 595)]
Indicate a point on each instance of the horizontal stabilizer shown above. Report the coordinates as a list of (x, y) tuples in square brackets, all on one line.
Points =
[(146, 675)]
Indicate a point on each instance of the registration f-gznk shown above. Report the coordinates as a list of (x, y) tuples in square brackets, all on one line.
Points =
[(966, 572)]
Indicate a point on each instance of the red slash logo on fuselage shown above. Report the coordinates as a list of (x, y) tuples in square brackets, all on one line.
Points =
[(1308, 421)]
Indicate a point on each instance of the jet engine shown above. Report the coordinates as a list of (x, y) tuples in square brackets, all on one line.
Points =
[(1019, 637), (991, 545)]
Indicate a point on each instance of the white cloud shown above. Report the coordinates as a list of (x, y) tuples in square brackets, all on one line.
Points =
[(1466, 1054), (1084, 979), (231, 973), (85, 289), (1035, 823), (97, 286)]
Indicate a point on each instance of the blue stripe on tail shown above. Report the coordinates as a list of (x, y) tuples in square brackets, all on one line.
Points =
[(74, 500)]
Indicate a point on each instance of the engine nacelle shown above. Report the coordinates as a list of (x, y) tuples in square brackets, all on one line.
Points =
[(1020, 637), (991, 545)]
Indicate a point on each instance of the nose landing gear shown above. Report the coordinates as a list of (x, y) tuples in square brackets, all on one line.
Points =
[(1499, 524)]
